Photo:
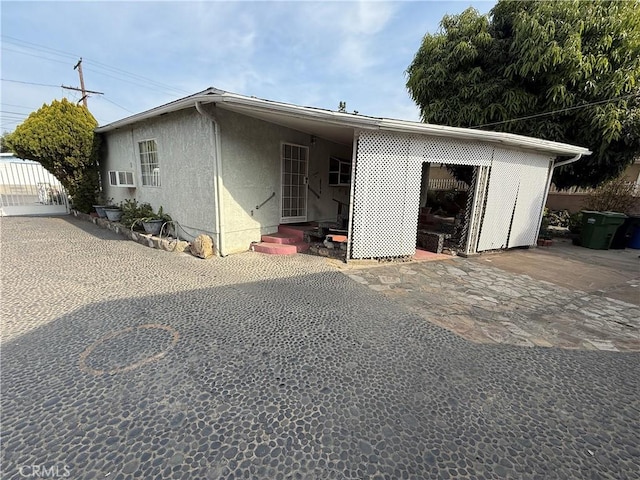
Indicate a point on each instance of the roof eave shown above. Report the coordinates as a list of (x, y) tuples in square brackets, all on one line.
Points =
[(349, 120)]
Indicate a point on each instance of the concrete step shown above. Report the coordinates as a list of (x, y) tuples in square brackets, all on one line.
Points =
[(283, 238), (280, 248), (292, 231)]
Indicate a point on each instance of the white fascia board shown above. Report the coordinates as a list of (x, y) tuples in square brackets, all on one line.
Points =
[(507, 139)]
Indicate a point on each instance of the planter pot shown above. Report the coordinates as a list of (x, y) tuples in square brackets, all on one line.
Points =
[(113, 214), (153, 226), (100, 210)]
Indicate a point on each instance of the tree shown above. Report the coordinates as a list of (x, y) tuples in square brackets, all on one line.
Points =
[(4, 148), (528, 58), (61, 138)]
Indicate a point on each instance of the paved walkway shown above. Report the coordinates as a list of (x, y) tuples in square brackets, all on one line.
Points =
[(489, 305), (122, 362)]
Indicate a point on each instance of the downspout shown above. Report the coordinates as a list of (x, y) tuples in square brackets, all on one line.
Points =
[(218, 185), (546, 191), (352, 188)]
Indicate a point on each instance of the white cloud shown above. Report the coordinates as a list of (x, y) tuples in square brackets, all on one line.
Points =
[(311, 53), (369, 17)]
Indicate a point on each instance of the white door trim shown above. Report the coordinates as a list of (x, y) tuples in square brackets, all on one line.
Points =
[(297, 214)]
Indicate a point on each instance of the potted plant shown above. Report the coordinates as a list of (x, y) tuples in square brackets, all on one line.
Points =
[(133, 212), (545, 239), (153, 223), (102, 205), (113, 212)]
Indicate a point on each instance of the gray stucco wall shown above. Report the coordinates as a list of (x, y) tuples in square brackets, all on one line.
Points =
[(251, 173), (185, 157)]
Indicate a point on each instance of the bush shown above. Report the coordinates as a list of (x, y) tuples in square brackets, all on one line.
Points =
[(544, 225), (132, 211), (613, 196), (446, 202), (575, 222)]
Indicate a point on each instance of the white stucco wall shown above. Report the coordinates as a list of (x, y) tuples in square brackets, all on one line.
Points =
[(185, 157), (251, 173)]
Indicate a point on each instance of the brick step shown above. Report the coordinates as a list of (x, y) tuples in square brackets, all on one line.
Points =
[(282, 238), (280, 248)]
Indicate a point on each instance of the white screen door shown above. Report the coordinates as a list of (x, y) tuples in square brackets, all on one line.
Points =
[(295, 159)]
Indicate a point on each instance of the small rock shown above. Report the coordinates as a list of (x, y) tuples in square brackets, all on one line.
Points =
[(202, 247), (181, 246), (131, 467), (168, 245)]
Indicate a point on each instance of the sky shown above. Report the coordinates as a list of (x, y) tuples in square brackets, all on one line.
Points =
[(142, 54)]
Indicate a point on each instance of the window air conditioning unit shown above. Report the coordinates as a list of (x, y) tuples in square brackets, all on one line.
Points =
[(121, 179)]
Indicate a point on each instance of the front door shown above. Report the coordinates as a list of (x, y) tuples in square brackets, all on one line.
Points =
[(295, 160)]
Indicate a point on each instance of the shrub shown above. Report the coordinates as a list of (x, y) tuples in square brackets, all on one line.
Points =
[(575, 222), (132, 211), (616, 195)]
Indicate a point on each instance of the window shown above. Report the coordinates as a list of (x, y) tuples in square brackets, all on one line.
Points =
[(149, 163), (339, 172), (121, 179)]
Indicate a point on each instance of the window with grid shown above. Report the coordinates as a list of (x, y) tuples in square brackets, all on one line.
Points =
[(339, 172), (149, 163)]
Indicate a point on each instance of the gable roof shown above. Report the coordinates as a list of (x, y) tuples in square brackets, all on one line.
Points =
[(338, 126)]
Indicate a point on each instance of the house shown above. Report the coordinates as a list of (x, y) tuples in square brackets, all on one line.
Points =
[(239, 168)]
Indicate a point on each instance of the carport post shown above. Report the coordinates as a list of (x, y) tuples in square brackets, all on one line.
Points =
[(478, 201)]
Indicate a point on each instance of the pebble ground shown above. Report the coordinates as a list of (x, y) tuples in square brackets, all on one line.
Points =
[(120, 361)]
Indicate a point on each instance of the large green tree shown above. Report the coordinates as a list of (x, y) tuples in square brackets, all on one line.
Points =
[(61, 138), (528, 58)]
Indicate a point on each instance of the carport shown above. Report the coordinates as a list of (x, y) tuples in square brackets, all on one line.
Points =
[(511, 180)]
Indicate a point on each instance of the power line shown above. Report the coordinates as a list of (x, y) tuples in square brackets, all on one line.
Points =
[(18, 106), (149, 87), (45, 49), (537, 115), (148, 82), (39, 47), (34, 55), (117, 105), (29, 83), (13, 113)]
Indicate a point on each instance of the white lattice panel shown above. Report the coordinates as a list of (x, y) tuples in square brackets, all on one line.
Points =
[(387, 178), (514, 199), (533, 182)]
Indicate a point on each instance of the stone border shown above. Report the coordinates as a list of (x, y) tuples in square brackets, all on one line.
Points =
[(167, 243)]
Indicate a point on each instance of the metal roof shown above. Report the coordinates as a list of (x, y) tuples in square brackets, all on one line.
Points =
[(337, 126)]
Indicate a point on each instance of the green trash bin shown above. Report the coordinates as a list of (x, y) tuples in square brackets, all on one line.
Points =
[(598, 228)]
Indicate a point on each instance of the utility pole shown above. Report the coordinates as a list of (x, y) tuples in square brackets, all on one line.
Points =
[(84, 92), (78, 66)]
